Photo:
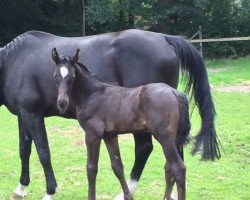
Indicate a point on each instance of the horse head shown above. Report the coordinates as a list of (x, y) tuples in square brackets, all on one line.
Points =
[(64, 76)]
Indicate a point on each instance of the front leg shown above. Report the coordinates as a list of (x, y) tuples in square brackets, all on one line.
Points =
[(93, 149), (25, 151), (116, 163), (34, 124)]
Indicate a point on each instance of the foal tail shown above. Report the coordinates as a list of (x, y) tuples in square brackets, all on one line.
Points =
[(184, 125)]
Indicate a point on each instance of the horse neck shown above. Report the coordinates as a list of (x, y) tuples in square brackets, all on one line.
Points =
[(84, 86)]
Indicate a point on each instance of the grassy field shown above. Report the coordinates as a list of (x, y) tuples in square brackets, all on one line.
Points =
[(225, 179)]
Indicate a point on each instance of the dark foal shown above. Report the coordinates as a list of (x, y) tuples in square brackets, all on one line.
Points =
[(104, 111)]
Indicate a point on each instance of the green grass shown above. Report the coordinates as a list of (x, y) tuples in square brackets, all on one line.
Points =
[(225, 72), (225, 179)]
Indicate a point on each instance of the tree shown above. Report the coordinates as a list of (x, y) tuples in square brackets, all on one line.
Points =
[(82, 2)]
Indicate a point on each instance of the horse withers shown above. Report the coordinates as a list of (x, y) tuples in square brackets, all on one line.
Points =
[(104, 111)]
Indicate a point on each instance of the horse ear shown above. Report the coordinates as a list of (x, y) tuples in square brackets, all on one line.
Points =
[(54, 55), (77, 55)]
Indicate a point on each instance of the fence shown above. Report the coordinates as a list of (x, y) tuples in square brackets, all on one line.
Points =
[(201, 40)]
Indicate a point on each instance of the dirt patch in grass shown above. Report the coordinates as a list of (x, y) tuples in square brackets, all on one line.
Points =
[(215, 70), (241, 88), (66, 131)]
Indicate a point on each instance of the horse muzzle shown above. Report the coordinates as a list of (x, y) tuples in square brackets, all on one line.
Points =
[(62, 105)]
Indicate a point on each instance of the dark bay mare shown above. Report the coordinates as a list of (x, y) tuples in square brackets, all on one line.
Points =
[(104, 110), (130, 58)]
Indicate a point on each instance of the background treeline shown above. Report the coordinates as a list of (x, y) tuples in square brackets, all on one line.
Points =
[(218, 18)]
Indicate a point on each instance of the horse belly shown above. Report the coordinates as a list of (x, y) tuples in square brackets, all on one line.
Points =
[(126, 124)]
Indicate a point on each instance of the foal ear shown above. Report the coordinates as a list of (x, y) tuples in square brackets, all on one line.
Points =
[(76, 57), (54, 55)]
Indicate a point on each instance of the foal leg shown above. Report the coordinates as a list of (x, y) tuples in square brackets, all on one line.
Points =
[(34, 123), (25, 151), (116, 163), (143, 148), (176, 169), (93, 149)]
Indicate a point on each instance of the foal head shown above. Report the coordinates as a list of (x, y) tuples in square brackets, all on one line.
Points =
[(64, 76)]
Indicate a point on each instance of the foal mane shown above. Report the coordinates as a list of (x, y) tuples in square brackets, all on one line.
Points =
[(83, 68)]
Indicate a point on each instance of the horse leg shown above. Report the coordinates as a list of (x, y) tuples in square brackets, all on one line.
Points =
[(34, 123), (93, 149), (175, 168), (143, 148), (116, 163), (169, 181), (25, 142)]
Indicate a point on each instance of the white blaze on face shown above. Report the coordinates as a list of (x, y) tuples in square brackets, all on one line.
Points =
[(64, 71)]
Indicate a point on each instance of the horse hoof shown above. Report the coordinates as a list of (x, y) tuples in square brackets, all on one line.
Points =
[(48, 197), (17, 196), (174, 196)]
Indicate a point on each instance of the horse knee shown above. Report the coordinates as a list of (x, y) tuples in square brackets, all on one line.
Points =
[(92, 171)]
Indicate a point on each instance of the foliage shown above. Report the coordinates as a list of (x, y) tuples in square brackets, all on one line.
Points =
[(218, 18)]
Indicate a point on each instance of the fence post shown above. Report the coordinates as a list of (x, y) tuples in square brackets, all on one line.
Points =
[(200, 37)]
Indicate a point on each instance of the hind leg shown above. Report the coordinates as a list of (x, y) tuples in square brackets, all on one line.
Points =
[(169, 182), (143, 148), (116, 163), (176, 170)]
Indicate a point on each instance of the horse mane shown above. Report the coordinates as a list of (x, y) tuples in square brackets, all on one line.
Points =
[(16, 44)]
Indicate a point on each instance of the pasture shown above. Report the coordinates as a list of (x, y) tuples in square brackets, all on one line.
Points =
[(227, 178)]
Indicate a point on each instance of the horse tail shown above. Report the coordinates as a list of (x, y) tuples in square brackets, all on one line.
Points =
[(1, 65), (1, 57), (192, 63), (184, 124)]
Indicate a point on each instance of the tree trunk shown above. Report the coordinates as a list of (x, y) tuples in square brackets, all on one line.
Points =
[(82, 2), (162, 5), (122, 21), (131, 16)]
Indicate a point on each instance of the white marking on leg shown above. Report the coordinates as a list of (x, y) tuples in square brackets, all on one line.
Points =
[(64, 71), (19, 191), (132, 184), (48, 197), (174, 194)]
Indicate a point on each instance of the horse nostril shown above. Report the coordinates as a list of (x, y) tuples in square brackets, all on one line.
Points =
[(62, 104)]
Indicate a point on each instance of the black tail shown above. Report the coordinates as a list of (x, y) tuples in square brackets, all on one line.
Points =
[(192, 63), (184, 125), (1, 58)]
